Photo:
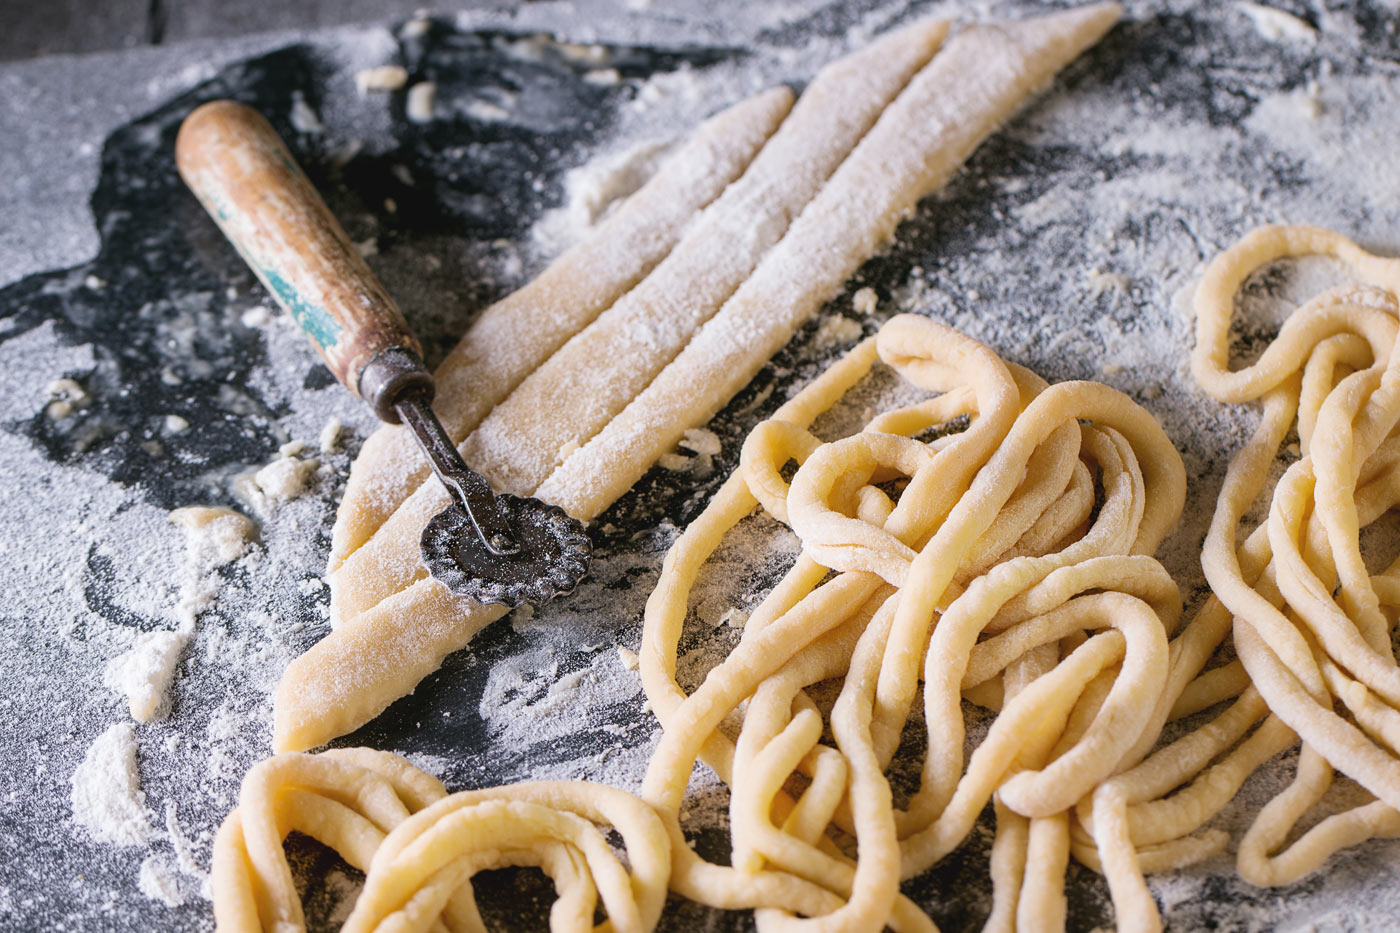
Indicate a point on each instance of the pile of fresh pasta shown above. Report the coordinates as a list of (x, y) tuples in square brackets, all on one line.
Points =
[(992, 543)]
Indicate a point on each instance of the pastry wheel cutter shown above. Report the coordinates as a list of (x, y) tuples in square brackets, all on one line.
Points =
[(501, 549)]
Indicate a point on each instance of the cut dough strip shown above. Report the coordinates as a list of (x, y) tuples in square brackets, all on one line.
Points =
[(586, 382), (916, 146), (368, 662), (513, 337), (592, 377)]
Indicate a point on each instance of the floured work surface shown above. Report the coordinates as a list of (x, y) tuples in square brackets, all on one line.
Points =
[(1064, 246)]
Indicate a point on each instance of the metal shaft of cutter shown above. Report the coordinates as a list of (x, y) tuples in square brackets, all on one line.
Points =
[(467, 487)]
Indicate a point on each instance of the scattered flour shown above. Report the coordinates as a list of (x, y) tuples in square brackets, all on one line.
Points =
[(214, 537), (594, 188), (1152, 218)]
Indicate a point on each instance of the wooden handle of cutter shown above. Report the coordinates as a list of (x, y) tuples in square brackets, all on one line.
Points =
[(242, 173)]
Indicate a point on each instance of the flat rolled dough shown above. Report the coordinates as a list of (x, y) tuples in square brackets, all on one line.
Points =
[(406, 627)]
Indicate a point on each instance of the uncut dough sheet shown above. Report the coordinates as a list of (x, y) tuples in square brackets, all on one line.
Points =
[(871, 134), (1067, 245)]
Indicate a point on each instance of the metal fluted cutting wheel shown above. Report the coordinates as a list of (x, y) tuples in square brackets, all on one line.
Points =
[(554, 552)]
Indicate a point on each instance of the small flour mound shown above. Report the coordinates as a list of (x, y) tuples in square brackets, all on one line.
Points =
[(107, 797), (144, 673), (158, 882)]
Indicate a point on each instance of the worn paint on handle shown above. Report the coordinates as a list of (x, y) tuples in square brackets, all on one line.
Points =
[(249, 183)]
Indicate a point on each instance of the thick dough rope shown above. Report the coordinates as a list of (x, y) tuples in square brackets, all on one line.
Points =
[(980, 558), (1311, 622), (419, 847), (991, 574), (1309, 661)]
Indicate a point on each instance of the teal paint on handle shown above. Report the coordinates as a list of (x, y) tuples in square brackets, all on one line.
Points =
[(315, 320)]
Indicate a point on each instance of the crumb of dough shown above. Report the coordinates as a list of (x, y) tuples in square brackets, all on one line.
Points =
[(1100, 282), (835, 330), (1113, 369), (256, 316), (673, 462), (174, 424), (485, 111), (701, 440), (64, 395), (329, 438), (107, 798), (416, 28), (285, 478), (215, 535), (303, 118), (628, 657), (383, 78), (419, 107), (368, 247), (865, 300), (735, 618), (521, 618), (1278, 25), (603, 76), (94, 284)]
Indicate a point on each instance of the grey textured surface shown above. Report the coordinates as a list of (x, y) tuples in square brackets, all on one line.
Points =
[(29, 29), (1186, 127)]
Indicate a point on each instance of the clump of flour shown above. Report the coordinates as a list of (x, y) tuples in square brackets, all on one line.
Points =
[(106, 790)]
